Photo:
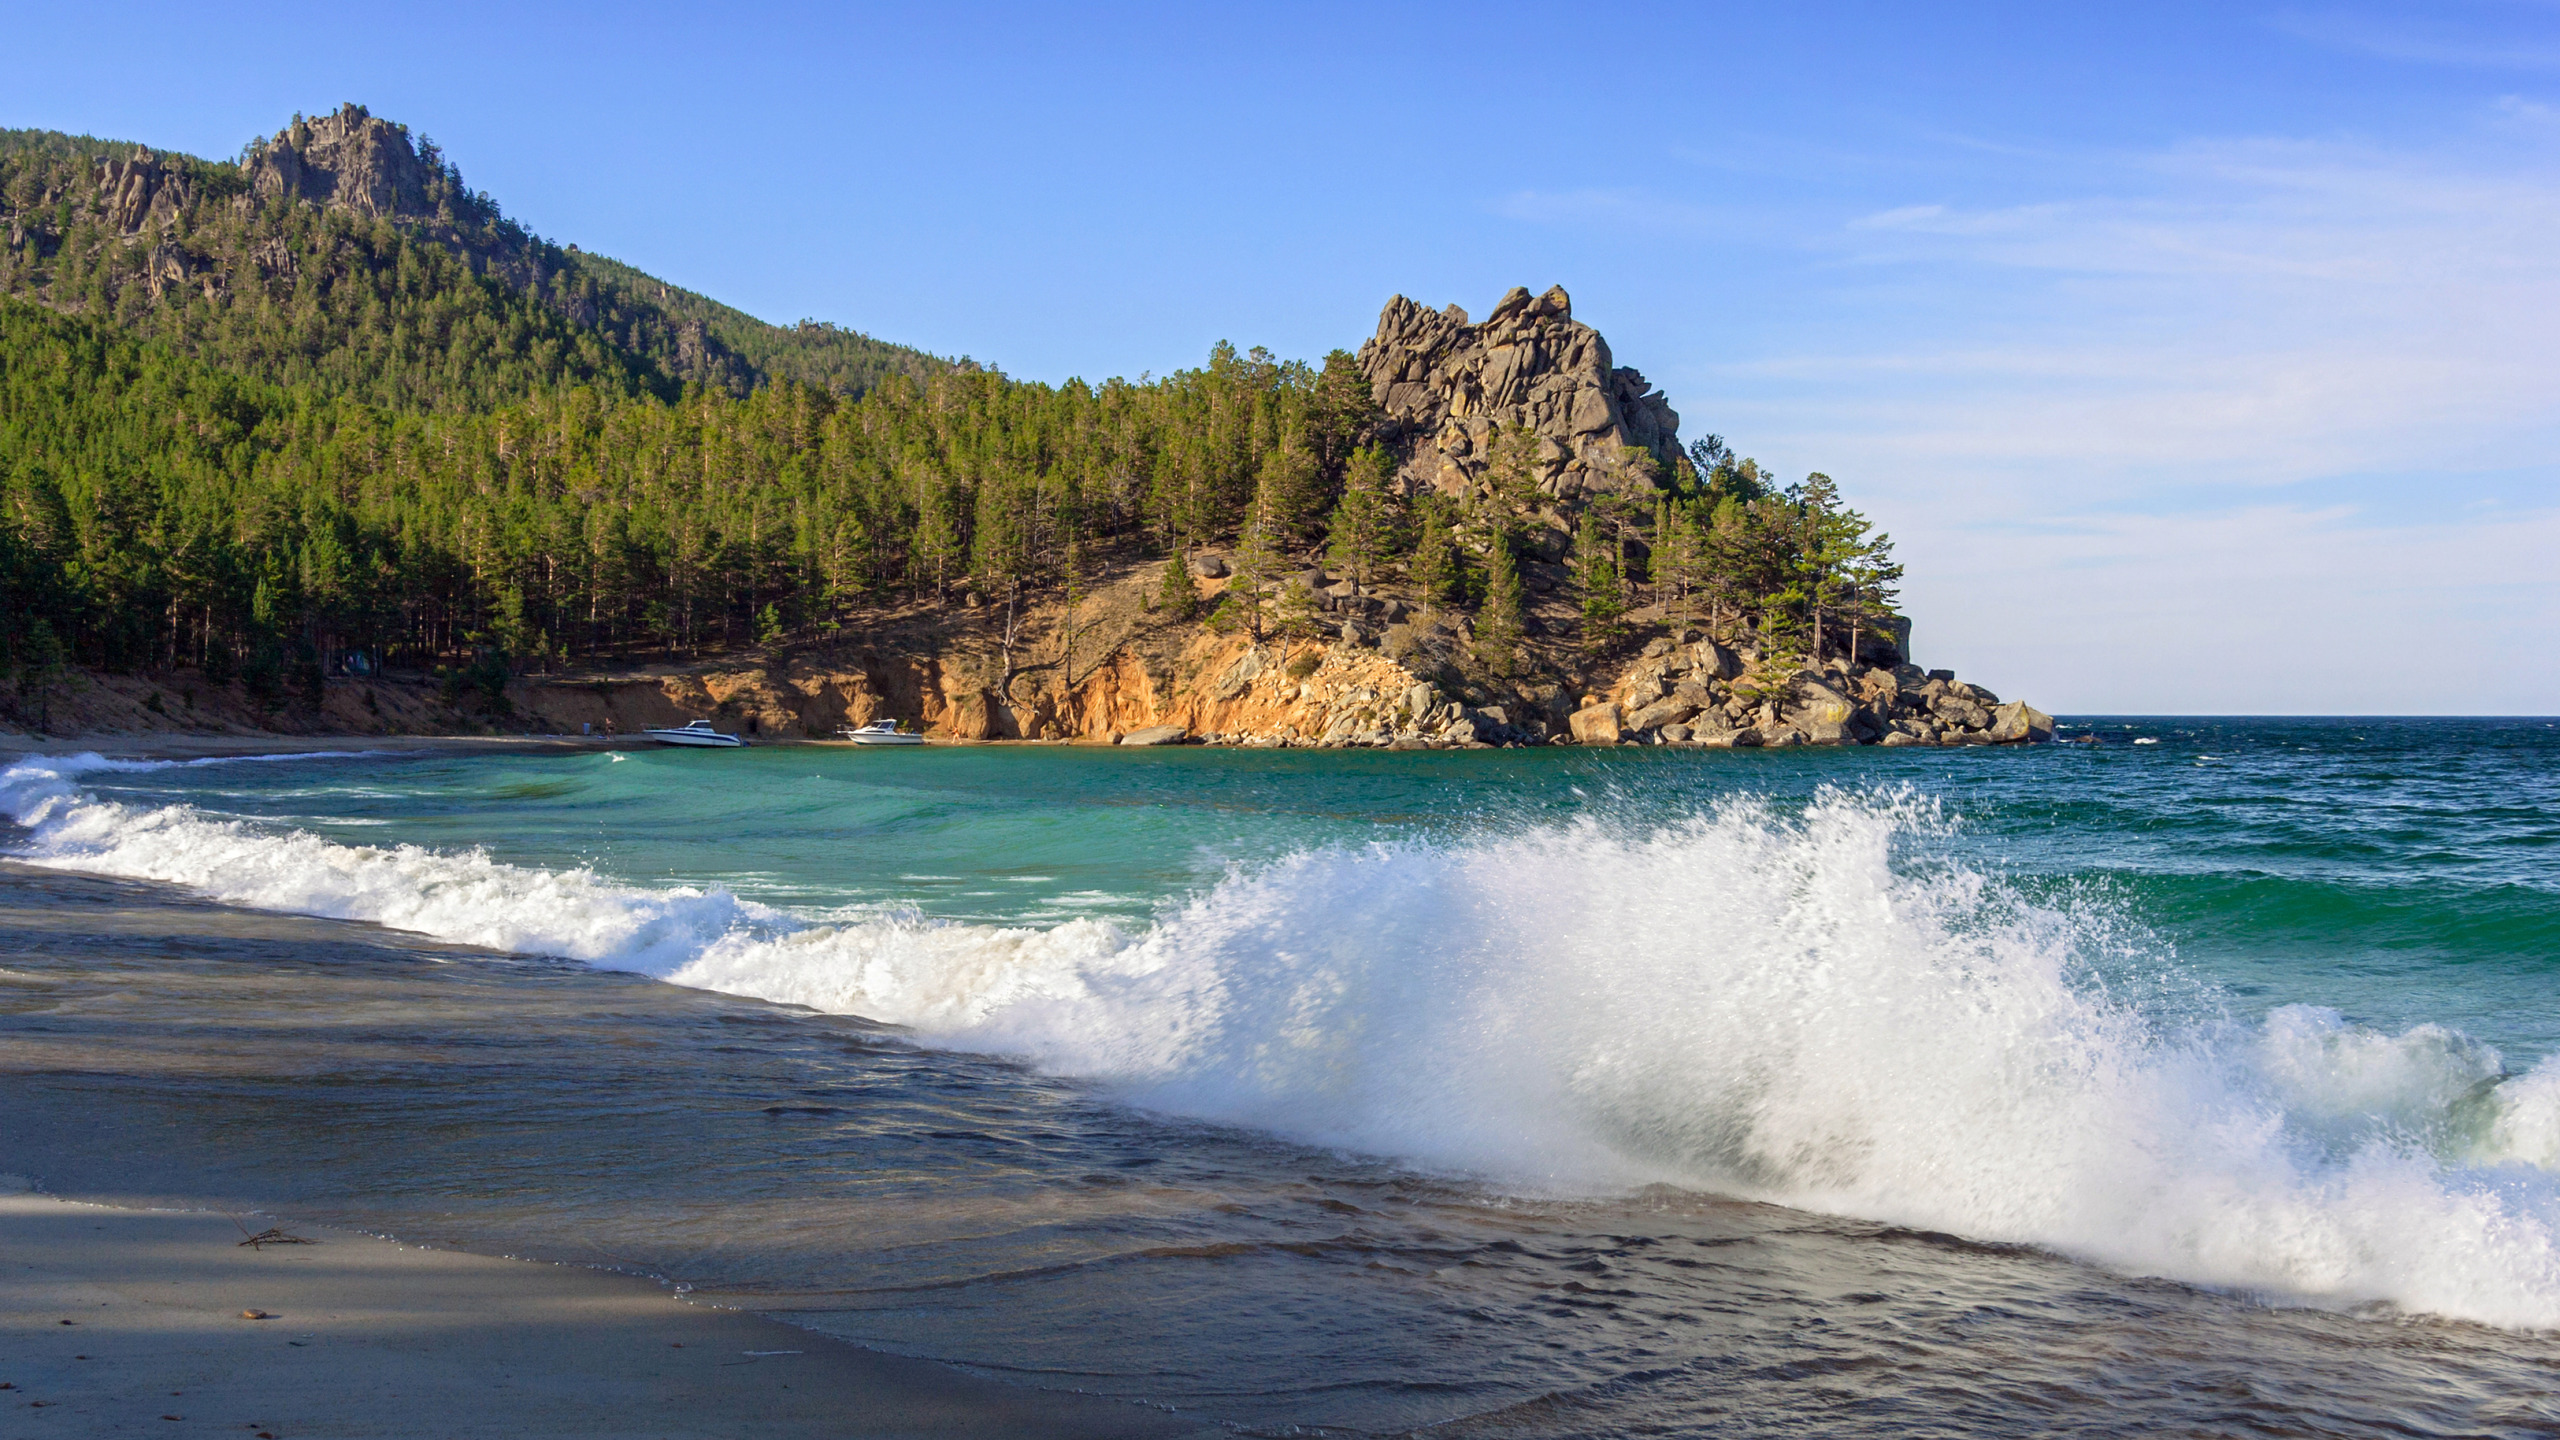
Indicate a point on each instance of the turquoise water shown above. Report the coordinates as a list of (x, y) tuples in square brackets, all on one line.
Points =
[(1379, 1089), (2406, 871)]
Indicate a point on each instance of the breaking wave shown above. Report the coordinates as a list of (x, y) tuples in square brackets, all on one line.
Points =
[(1817, 1008)]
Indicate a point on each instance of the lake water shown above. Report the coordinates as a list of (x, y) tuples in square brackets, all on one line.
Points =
[(2205, 1084)]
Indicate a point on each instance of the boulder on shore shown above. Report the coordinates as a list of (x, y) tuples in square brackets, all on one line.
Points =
[(1157, 735), (2020, 721), (1595, 725), (1659, 714), (1715, 661), (1820, 712)]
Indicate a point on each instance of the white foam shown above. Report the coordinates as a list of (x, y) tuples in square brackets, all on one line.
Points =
[(466, 897), (2524, 1126), (1805, 1008)]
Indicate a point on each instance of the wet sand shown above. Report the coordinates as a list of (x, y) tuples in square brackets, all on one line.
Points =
[(369, 1337), (366, 1337)]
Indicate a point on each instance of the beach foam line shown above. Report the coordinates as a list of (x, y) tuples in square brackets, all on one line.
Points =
[(1819, 1009), (463, 897)]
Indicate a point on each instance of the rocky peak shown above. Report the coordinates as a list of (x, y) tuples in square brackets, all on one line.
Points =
[(140, 190), (348, 160), (1446, 386)]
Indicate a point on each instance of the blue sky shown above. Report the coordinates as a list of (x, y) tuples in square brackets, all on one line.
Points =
[(2200, 358)]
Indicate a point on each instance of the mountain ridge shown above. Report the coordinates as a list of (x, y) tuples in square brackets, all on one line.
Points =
[(347, 253)]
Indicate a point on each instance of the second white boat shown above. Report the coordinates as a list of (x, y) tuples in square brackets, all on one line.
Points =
[(880, 732)]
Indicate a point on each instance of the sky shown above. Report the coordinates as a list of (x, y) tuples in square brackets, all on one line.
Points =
[(2198, 358)]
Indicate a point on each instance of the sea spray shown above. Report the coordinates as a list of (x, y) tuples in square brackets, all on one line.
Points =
[(1818, 1008)]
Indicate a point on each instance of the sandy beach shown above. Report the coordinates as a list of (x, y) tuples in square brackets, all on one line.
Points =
[(368, 1337), (132, 1321)]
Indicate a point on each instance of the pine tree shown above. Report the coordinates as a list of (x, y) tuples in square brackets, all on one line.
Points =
[(1177, 596), (1503, 620), (1873, 578), (1288, 494), (1830, 541), (1341, 410), (1362, 528), (1071, 579), (1707, 455), (1660, 574), (1257, 569), (40, 661), (1294, 612), (1510, 479), (1681, 559), (1436, 571), (1598, 572), (1748, 563)]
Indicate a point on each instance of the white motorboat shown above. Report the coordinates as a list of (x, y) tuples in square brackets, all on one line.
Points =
[(698, 733), (881, 732)]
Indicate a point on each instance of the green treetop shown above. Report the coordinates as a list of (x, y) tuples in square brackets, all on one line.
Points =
[(1502, 622), (1363, 525)]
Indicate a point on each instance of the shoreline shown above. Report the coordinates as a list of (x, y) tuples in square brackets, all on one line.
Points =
[(118, 1319), (184, 745), (136, 1241), (164, 1049), (179, 745)]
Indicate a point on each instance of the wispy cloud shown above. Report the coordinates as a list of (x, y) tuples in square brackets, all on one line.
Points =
[(2434, 39), (2249, 608), (2079, 457), (2325, 212), (2281, 308), (2175, 428)]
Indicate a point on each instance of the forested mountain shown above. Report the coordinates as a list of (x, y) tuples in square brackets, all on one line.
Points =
[(345, 256), (327, 399)]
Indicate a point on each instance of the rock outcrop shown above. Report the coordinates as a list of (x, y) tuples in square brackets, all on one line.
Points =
[(140, 190), (1136, 681), (1445, 387), (197, 233), (1695, 690), (350, 161), (355, 162)]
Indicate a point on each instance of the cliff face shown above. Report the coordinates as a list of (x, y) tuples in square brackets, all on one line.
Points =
[(1123, 673), (1229, 689), (351, 161), (140, 190), (1445, 387)]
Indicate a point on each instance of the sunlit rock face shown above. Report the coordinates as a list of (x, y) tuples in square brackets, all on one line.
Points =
[(1448, 387)]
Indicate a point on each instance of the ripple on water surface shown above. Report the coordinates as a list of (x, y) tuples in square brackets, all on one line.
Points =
[(1571, 1005)]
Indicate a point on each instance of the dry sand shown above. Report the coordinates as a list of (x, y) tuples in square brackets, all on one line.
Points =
[(369, 1338)]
